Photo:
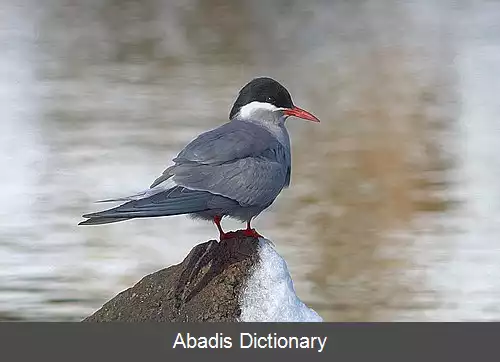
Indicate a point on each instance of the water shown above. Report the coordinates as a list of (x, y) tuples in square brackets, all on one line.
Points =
[(393, 212)]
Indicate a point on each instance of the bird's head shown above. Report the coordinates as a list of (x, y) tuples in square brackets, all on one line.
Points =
[(265, 96)]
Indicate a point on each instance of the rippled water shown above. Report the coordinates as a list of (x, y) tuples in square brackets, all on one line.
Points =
[(394, 208)]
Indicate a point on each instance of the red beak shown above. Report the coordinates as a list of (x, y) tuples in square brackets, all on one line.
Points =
[(300, 113)]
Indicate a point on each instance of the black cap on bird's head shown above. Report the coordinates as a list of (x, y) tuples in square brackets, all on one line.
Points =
[(268, 91)]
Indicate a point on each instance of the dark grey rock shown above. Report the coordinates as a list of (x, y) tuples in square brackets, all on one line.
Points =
[(204, 287)]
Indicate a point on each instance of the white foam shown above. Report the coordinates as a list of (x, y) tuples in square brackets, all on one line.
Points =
[(269, 295)]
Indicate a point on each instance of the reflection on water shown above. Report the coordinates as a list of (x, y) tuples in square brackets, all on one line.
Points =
[(394, 195)]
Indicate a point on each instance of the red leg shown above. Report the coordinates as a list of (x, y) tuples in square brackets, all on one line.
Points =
[(251, 232), (217, 220), (222, 235)]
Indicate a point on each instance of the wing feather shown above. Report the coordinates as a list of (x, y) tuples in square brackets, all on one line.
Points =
[(249, 181), (238, 160), (231, 141)]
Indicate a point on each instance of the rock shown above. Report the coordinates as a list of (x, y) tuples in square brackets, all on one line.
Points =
[(206, 286), (239, 279)]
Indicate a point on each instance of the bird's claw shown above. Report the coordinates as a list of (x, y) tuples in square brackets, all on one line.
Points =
[(252, 233), (228, 235), (246, 232)]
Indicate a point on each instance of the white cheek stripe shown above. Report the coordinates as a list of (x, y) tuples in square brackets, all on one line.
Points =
[(249, 109)]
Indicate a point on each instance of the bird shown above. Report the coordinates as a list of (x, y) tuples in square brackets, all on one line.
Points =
[(235, 170)]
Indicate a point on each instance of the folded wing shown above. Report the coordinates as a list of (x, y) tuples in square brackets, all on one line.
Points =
[(239, 160), (236, 165)]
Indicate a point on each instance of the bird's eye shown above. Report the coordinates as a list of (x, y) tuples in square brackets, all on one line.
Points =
[(269, 99)]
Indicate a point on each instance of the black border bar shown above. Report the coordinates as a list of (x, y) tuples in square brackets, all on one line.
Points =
[(345, 341)]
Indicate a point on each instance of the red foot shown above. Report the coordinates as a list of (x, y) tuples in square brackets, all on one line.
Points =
[(228, 235), (252, 233), (246, 232)]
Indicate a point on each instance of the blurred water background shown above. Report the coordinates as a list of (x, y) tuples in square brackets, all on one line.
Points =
[(394, 209)]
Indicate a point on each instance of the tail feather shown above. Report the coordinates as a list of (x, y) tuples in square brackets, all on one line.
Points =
[(175, 201), (103, 220)]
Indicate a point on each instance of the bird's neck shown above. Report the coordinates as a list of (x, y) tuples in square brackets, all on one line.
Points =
[(273, 123), (268, 116)]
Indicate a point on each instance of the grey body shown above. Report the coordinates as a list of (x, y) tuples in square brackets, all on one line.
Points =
[(235, 170)]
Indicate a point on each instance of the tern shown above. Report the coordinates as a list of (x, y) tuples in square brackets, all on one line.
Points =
[(235, 170)]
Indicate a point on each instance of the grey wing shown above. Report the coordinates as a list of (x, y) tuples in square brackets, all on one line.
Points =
[(233, 164), (174, 201), (231, 141), (239, 160), (249, 181), (164, 177)]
